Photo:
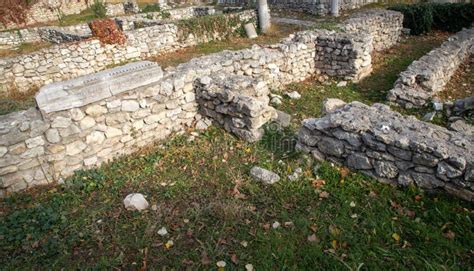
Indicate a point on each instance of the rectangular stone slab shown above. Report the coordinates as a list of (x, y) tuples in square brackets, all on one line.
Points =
[(98, 86)]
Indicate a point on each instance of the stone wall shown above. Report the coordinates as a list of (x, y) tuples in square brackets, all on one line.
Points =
[(385, 26), (236, 102), (70, 60), (317, 7), (86, 121), (429, 75), (391, 147), (50, 10)]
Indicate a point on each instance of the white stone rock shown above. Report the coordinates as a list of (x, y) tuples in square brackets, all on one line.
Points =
[(75, 148), (293, 95), (61, 122), (96, 110), (34, 142), (3, 151), (263, 175), (76, 114), (330, 105), (95, 137), (130, 105), (162, 231), (112, 132), (87, 123), (52, 135), (342, 84), (135, 201)]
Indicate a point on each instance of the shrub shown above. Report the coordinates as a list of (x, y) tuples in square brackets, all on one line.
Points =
[(151, 8), (107, 31), (421, 18), (418, 17), (98, 9), (14, 11), (452, 17)]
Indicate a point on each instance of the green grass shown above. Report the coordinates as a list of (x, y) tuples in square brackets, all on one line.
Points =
[(372, 89), (84, 17), (202, 193), (84, 225)]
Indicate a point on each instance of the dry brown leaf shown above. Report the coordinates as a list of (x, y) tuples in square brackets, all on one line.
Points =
[(234, 259), (323, 195), (313, 238), (449, 234), (344, 172), (318, 183)]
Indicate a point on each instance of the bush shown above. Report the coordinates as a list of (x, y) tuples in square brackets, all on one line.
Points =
[(151, 8), (107, 31), (99, 9), (452, 17), (421, 18)]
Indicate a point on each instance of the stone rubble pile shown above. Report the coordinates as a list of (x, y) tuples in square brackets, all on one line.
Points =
[(392, 148), (428, 75), (238, 103)]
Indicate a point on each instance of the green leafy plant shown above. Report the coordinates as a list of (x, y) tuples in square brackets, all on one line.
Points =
[(99, 9), (421, 18), (151, 8)]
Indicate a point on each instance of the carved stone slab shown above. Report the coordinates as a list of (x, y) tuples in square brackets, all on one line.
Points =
[(98, 86)]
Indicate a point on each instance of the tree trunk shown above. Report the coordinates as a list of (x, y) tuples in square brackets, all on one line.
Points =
[(263, 16)]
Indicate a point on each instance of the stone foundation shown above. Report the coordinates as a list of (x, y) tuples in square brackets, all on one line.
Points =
[(236, 102), (392, 148), (429, 75), (384, 26)]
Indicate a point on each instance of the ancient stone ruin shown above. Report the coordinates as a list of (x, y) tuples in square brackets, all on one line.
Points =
[(89, 120), (429, 75), (392, 148)]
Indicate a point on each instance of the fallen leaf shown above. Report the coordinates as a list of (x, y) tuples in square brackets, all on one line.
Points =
[(313, 227), (418, 197), (449, 234), (318, 183), (372, 194), (313, 238), (334, 244), (395, 236), (334, 230), (234, 259), (344, 172), (323, 195)]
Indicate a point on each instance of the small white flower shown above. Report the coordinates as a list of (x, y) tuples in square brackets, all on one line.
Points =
[(244, 243), (353, 204), (249, 267), (221, 264), (354, 216), (162, 231), (276, 225)]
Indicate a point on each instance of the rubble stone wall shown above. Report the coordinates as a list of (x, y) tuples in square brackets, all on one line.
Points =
[(392, 148), (88, 120), (428, 75), (384, 26), (65, 61)]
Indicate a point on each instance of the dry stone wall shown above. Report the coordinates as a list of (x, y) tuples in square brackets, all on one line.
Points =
[(86, 121), (429, 75), (392, 148), (384, 26), (70, 60), (236, 102)]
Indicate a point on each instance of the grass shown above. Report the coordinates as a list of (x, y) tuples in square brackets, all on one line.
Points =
[(201, 191), (16, 101), (24, 48), (203, 195), (372, 89)]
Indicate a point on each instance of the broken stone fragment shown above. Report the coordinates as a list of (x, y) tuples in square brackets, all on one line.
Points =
[(293, 95), (330, 105), (135, 201), (263, 175)]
